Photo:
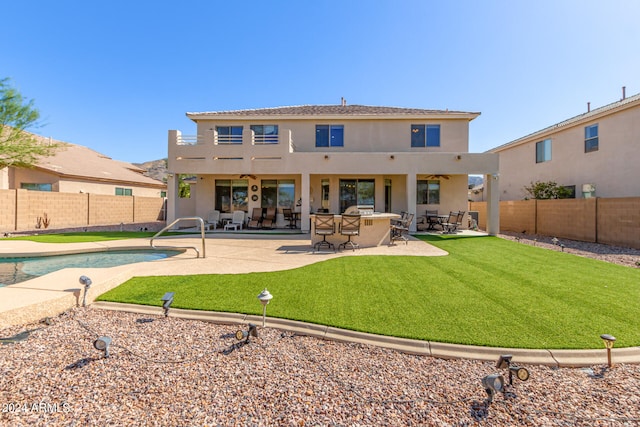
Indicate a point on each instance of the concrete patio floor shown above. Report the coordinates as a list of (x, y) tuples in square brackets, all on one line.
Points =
[(233, 253)]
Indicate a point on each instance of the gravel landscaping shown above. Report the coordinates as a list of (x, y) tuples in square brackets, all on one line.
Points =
[(169, 371)]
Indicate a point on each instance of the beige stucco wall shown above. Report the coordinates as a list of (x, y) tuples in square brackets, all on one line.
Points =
[(17, 176), (613, 168)]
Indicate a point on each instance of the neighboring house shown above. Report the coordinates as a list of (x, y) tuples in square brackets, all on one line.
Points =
[(476, 193), (77, 169), (315, 158), (594, 154)]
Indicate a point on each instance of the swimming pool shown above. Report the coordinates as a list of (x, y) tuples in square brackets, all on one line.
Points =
[(16, 270)]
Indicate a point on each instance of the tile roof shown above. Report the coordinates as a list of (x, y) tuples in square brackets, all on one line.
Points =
[(584, 117), (77, 161), (332, 110)]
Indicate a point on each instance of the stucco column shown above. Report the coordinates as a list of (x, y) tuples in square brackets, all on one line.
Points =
[(305, 195), (412, 187), (172, 197), (492, 184)]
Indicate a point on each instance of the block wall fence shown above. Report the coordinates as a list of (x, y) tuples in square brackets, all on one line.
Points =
[(613, 221), (20, 209)]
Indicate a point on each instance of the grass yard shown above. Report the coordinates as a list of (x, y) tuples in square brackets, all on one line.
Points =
[(488, 291)]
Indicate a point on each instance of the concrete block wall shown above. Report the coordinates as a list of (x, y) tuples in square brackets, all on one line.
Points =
[(619, 221), (104, 210), (518, 216), (573, 219), (20, 209), (612, 221)]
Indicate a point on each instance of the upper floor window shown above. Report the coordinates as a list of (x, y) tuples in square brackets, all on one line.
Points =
[(329, 135), (124, 191), (425, 135), (265, 134), (428, 192), (543, 151), (591, 138), (35, 187), (229, 134)]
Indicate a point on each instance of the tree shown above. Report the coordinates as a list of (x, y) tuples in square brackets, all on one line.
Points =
[(547, 190), (17, 146)]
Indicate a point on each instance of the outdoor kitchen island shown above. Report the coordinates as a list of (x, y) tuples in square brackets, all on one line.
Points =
[(375, 230)]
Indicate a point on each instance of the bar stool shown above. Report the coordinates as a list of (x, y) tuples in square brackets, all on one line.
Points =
[(324, 226), (350, 226)]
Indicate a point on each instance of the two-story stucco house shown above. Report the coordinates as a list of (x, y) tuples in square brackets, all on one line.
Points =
[(593, 154), (316, 158)]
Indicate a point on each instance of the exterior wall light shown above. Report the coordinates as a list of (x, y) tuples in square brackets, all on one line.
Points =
[(326, 157), (167, 300), (264, 298), (392, 157), (609, 341), (103, 344), (84, 280), (493, 384)]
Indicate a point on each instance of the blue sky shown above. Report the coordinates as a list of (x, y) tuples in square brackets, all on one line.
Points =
[(115, 76)]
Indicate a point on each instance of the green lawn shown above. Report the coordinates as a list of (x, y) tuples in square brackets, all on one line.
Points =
[(488, 291)]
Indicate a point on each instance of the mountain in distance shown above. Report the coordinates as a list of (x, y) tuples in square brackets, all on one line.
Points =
[(475, 180), (156, 169)]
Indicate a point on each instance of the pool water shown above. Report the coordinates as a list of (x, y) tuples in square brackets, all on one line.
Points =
[(16, 270)]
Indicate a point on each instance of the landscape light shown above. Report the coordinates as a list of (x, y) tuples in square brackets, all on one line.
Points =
[(609, 340), (245, 335), (504, 362), (492, 384), (264, 298), (103, 344), (167, 299), (84, 280)]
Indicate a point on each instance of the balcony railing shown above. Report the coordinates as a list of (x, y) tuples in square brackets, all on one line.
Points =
[(190, 139)]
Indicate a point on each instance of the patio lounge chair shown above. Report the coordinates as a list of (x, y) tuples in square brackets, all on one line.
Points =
[(256, 218), (213, 219), (236, 221), (350, 226), (269, 220), (324, 226)]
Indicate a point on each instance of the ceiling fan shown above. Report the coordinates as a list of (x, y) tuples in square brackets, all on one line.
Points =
[(437, 176), (244, 175)]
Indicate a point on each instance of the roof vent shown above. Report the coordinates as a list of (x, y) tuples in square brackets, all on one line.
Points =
[(624, 92), (343, 101), (588, 107)]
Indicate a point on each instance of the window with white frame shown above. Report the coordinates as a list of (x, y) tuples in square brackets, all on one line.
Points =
[(591, 138), (543, 151)]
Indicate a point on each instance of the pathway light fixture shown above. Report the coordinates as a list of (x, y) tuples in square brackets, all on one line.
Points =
[(167, 300), (84, 280), (264, 298), (493, 384), (609, 341)]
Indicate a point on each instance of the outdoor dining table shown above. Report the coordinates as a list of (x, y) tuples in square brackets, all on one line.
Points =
[(434, 220)]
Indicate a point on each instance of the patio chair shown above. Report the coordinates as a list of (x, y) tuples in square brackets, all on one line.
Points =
[(451, 224), (269, 219), (213, 219), (324, 226), (432, 219), (236, 221), (288, 216), (256, 218), (350, 226), (401, 231), (459, 220)]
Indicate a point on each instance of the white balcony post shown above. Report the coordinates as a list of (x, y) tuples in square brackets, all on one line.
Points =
[(492, 184)]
